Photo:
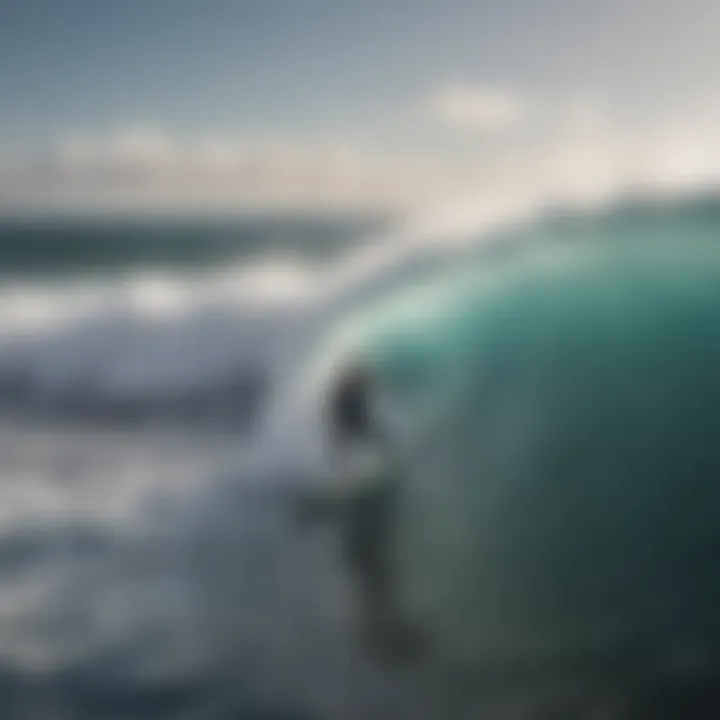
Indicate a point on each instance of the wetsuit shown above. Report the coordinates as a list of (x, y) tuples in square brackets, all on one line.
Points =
[(369, 518)]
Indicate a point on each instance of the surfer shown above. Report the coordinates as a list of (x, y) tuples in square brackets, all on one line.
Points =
[(350, 406), (363, 500), (355, 447), (363, 444)]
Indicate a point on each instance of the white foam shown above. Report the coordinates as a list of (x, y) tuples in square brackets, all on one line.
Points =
[(148, 336)]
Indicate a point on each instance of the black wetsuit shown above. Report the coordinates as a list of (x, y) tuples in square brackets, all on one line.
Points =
[(369, 519)]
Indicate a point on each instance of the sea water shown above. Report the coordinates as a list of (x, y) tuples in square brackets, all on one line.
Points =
[(162, 385)]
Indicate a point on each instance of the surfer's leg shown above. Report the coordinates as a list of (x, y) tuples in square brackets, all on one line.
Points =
[(367, 540)]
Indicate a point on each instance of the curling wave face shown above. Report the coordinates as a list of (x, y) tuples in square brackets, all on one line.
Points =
[(562, 483), (556, 406)]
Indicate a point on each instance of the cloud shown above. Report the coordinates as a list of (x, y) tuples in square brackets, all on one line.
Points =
[(478, 109), (145, 168), (581, 155)]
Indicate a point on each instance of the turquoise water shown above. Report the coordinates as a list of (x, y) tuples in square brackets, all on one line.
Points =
[(562, 460)]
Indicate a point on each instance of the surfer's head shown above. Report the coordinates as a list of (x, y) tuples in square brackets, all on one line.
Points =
[(349, 413)]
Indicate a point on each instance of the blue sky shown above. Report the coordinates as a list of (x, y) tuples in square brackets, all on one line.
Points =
[(408, 96)]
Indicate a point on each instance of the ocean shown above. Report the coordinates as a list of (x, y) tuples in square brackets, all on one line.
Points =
[(160, 384), (142, 574)]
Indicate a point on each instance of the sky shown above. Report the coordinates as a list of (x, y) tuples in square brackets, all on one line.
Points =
[(349, 104)]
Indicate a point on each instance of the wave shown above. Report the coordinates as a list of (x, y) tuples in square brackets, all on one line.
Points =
[(392, 286), (559, 456), (231, 342), (65, 244), (151, 343)]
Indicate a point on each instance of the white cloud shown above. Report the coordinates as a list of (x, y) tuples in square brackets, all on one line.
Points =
[(138, 146), (480, 109), (580, 155), (142, 168)]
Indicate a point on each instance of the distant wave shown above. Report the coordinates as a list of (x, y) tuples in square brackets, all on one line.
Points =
[(149, 344), (83, 244)]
